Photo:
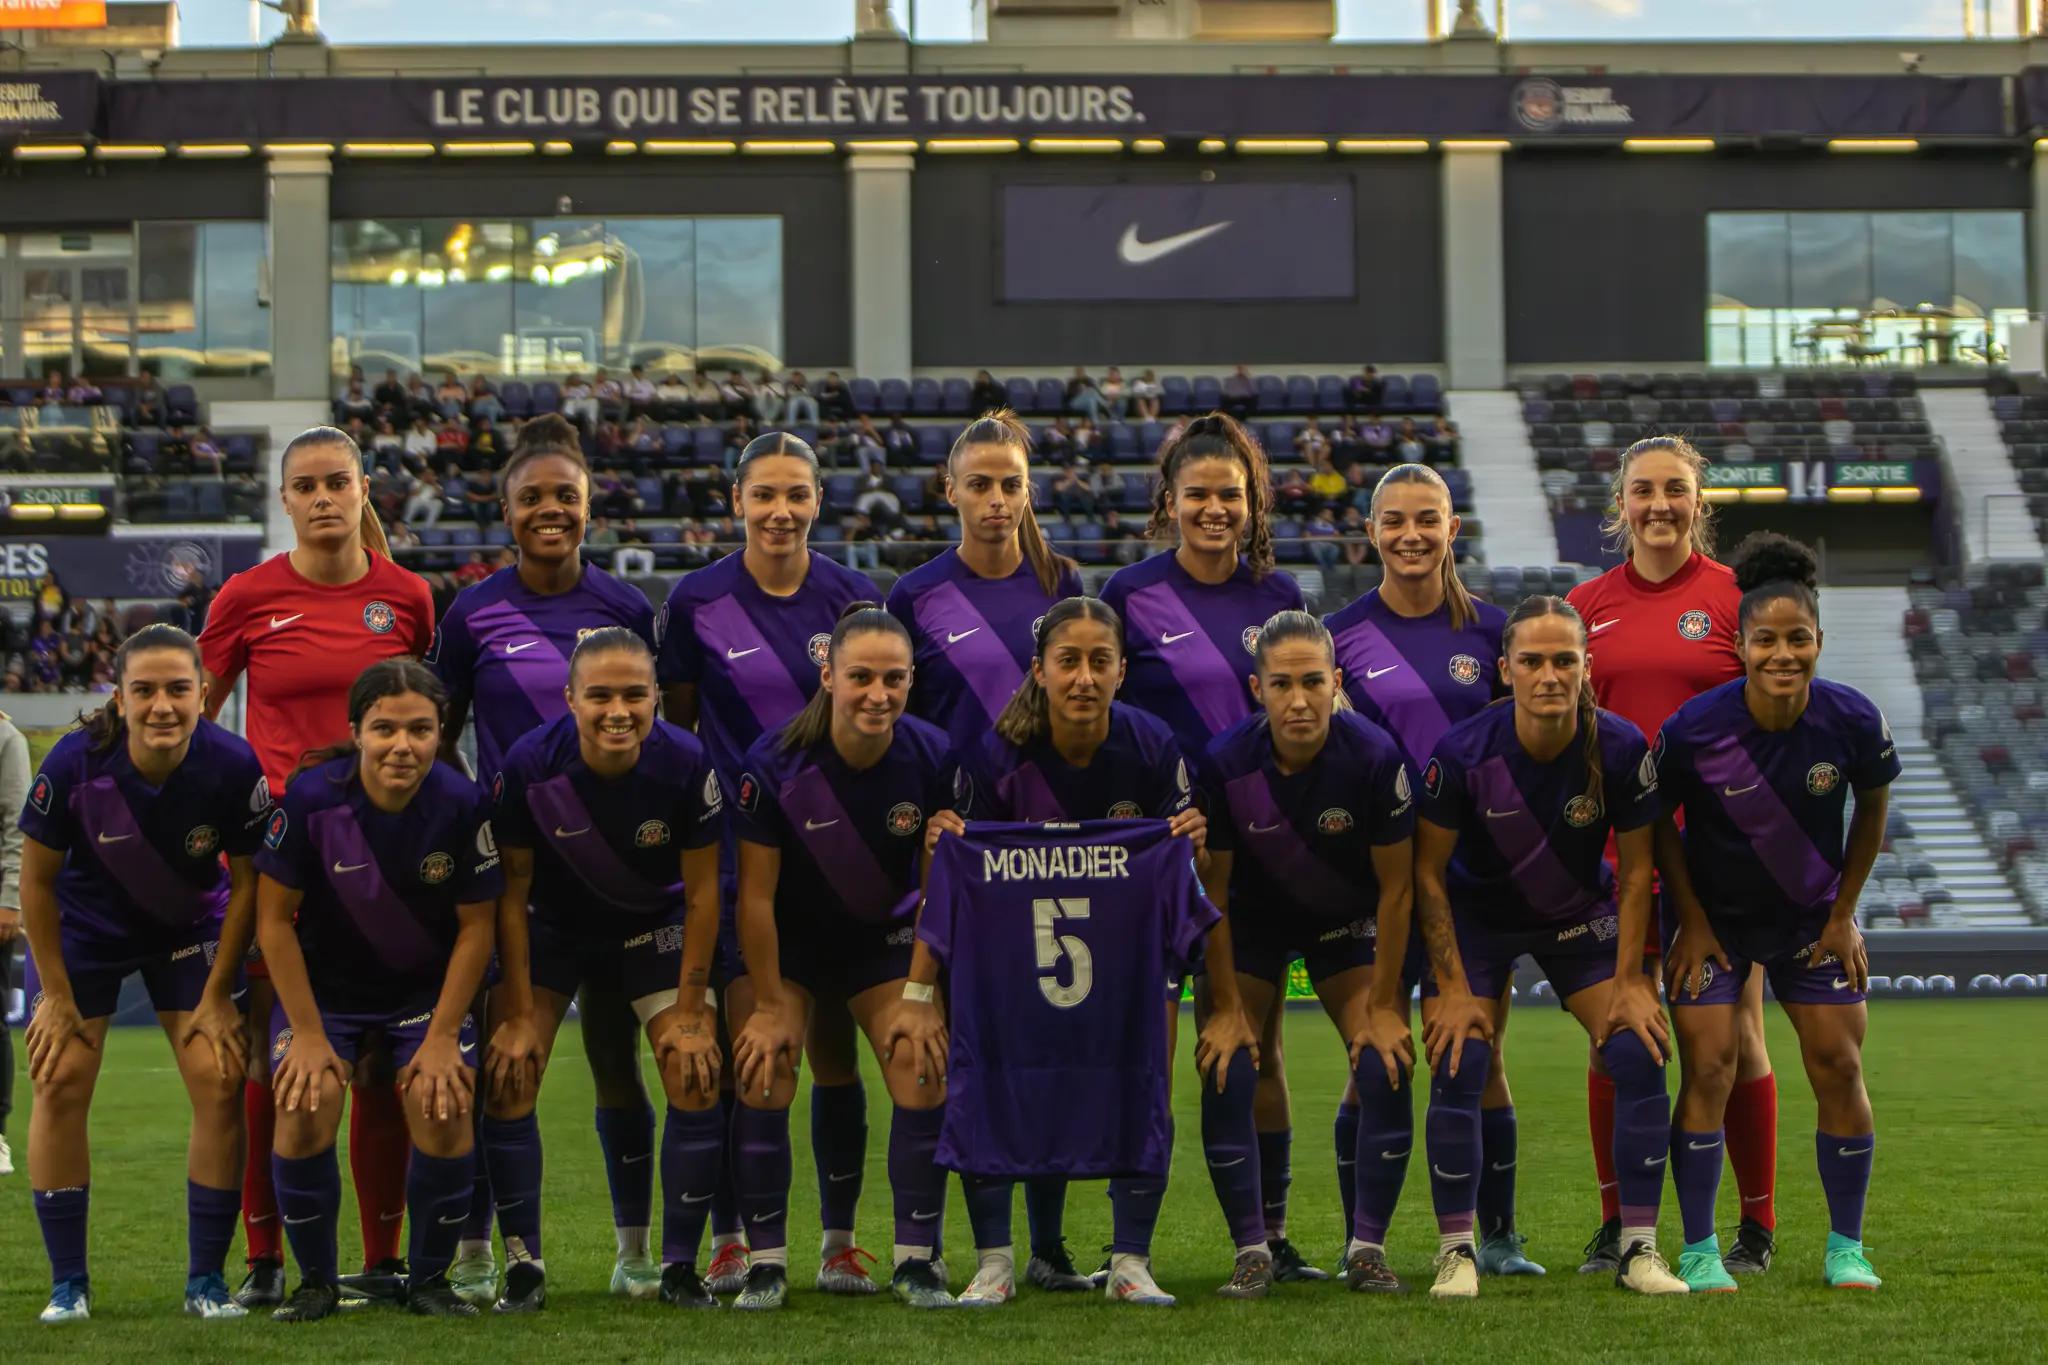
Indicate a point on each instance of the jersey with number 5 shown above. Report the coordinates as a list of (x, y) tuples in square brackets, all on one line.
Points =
[(1060, 939)]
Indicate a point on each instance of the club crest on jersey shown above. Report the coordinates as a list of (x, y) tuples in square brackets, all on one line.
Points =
[(1823, 778), (39, 794), (820, 649), (379, 616), (436, 868), (281, 1045), (1251, 639), (1464, 669), (1335, 820), (905, 819), (1126, 810), (1581, 811), (202, 841), (1433, 777), (1694, 625), (274, 835), (652, 834)]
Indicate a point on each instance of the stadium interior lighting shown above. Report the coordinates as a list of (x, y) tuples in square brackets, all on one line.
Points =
[(1766, 494), (387, 148), (790, 147), (210, 151), (1211, 145), (973, 144), (298, 148), (487, 149), (1076, 144), (49, 151), (1150, 146), (1369, 145), (1721, 494), (1873, 144), (685, 147), (80, 511), (1282, 146), (130, 151), (620, 147), (1475, 144), (557, 148), (1851, 494), (1898, 493), (32, 511), (883, 144), (1667, 144)]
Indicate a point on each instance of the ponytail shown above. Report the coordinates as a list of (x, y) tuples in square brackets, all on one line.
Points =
[(1027, 716), (1589, 713), (812, 724), (1218, 436), (103, 726), (1004, 428), (1457, 597)]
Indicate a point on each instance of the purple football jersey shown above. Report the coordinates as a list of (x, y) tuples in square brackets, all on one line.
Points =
[(1302, 842), (1188, 645), (850, 839), (1138, 773), (973, 638), (1059, 941), (142, 861), (1531, 843), (1415, 676), (753, 657), (381, 888), (607, 851), (502, 650), (1764, 810)]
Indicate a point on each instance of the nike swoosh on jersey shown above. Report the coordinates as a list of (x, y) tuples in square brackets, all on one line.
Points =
[(114, 838), (1372, 673), (514, 649), (451, 1222), (1225, 1165), (819, 824), (695, 1198), (1838, 984), (1493, 814), (850, 1175), (561, 833), (1131, 251), (1599, 626), (1166, 638), (1737, 791), (352, 867), (277, 621), (741, 653), (1395, 1156), (1264, 829), (467, 1047), (1692, 1146), (953, 639), (1653, 1161)]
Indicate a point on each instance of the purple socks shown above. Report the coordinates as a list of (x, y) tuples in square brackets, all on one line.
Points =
[(1642, 1128), (917, 1182), (1236, 1153), (1045, 1213), (1845, 1176), (1383, 1136), (1276, 1175), (1696, 1171), (437, 1195), (62, 1216), (308, 1201), (839, 1143), (988, 1210), (1499, 1138), (1453, 1136), (725, 1201), (626, 1137), (210, 1218), (761, 1165), (692, 1160), (512, 1147), (1346, 1140)]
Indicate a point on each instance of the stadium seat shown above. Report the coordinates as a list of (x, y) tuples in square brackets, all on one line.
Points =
[(181, 405), (956, 397), (1206, 394), (1271, 393), (1023, 396), (1301, 393), (894, 397), (515, 398), (1174, 395), (1330, 393), (925, 397), (707, 446), (1394, 393), (1052, 397), (934, 444), (909, 491), (547, 397), (866, 400)]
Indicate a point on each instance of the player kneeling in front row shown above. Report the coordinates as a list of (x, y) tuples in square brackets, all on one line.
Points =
[(1763, 877), (609, 820), (379, 881), (121, 872), (1517, 804)]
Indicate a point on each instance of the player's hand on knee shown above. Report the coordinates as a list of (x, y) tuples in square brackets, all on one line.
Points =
[(917, 1028), (764, 1048), (1223, 1034), (437, 1080), (1459, 1015), (309, 1066), (512, 1063), (55, 1026), (1386, 1032), (1635, 1008), (218, 1021), (1692, 948), (1844, 942), (688, 1049)]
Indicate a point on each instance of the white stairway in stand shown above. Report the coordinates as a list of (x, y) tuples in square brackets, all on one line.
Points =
[(1506, 496), (1862, 646), (1994, 511)]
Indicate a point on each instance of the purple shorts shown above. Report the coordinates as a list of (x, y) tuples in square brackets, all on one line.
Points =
[(1797, 976), (836, 958), (647, 961), (175, 975), (1572, 956), (402, 1030), (1264, 941)]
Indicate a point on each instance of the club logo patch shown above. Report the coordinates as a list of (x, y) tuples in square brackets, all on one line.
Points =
[(905, 819), (436, 868), (212, 947), (1464, 669), (39, 794), (1581, 811), (1335, 820), (274, 835), (379, 617), (1606, 927), (202, 841), (1694, 625), (1823, 778), (1251, 639), (1433, 778), (281, 1044), (1646, 774), (1126, 810), (820, 649), (963, 788), (652, 834), (668, 938)]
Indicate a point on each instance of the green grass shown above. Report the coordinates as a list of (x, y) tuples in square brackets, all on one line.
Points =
[(1954, 1227)]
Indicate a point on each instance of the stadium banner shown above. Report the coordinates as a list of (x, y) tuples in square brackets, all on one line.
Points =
[(160, 566), (1226, 242), (53, 14), (65, 102), (1533, 108)]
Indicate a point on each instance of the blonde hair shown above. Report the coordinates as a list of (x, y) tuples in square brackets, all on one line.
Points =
[(1456, 596), (1002, 427), (1616, 527)]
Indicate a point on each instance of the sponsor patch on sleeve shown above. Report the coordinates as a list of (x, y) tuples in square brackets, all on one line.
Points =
[(1433, 778), (39, 793), (749, 793), (274, 835)]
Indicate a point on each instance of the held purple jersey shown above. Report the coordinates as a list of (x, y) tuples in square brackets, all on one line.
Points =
[(1415, 676), (1138, 773), (1188, 645), (1302, 842), (142, 860), (1764, 810), (381, 889), (850, 839), (607, 850), (1059, 941), (1531, 843), (503, 650), (753, 657), (972, 638)]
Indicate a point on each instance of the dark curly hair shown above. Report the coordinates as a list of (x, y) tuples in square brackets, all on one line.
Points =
[(1218, 436)]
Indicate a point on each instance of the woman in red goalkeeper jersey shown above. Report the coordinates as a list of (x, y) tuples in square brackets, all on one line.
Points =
[(1662, 630), (302, 625)]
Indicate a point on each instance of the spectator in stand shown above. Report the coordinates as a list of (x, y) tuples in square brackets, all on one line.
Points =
[(1120, 539), (768, 398), (207, 456), (579, 403), (615, 497), (473, 570), (1087, 439), (51, 600), (1378, 439), (1083, 398), (423, 502), (1365, 391), (835, 399), (354, 403), (632, 555), (83, 393), (857, 538), (174, 451), (1104, 484), (1321, 534), (1358, 485), (480, 495), (1057, 446), (44, 649), (672, 402), (737, 437), (52, 391), (484, 407), (387, 446), (987, 395), (1071, 496), (640, 392), (149, 401), (451, 400), (419, 396), (609, 442), (1240, 394), (1346, 449), (1115, 397), (643, 443), (1408, 443), (600, 536), (1356, 529), (900, 442), (100, 667), (483, 451), (1442, 442), (74, 660), (1326, 483), (451, 439), (704, 396), (610, 395), (1145, 395), (389, 395), (1311, 443), (735, 393), (867, 446), (879, 504), (1292, 495), (803, 404)]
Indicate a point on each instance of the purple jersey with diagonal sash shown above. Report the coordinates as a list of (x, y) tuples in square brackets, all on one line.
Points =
[(1302, 842), (381, 887), (1531, 843), (502, 650), (1764, 810), (144, 862), (607, 849), (753, 657), (1059, 941), (1188, 644), (1138, 773), (972, 638), (1416, 676), (849, 839)]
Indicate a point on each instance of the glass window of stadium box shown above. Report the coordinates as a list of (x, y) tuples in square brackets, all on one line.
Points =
[(553, 296), (1846, 289)]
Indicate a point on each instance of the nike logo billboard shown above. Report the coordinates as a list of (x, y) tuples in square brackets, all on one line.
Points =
[(1131, 251)]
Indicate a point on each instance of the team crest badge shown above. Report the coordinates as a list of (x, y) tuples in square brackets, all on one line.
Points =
[(202, 841), (274, 834), (39, 794), (1464, 669), (1823, 778), (653, 834), (1126, 810), (1335, 820), (1251, 639), (1433, 777), (821, 649), (281, 1045), (905, 819), (379, 617), (1694, 625), (1581, 811), (1180, 774), (436, 868)]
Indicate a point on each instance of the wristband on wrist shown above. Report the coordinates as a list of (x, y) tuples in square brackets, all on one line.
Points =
[(920, 993)]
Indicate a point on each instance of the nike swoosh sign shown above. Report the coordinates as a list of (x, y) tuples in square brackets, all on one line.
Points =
[(1225, 1165), (277, 621), (695, 1198), (561, 833), (819, 824), (1264, 829), (1167, 639), (1599, 626), (1737, 791), (1450, 1175), (1701, 1146), (1493, 814), (514, 649), (351, 867), (1372, 673), (634, 1160), (114, 838), (741, 653), (953, 639), (1132, 251)]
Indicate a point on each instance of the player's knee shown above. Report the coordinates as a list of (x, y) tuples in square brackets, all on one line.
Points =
[(1463, 1090), (507, 1108), (68, 1088), (303, 1133), (439, 1137), (1709, 1065), (1630, 1064), (213, 1093), (1836, 1066)]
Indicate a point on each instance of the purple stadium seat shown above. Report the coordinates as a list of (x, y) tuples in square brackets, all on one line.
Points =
[(515, 398), (467, 537), (1123, 444), (240, 451), (1272, 393), (866, 400), (839, 491), (547, 397), (1206, 394), (1301, 393), (894, 396), (933, 444), (649, 489), (707, 446), (212, 500), (1425, 393), (1330, 393), (909, 490), (1151, 435), (181, 405), (1394, 393), (1136, 493), (1277, 438), (924, 397), (1023, 395), (1052, 396), (955, 397), (497, 534), (1174, 396)]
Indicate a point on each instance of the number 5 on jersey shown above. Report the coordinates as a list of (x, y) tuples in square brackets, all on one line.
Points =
[(1082, 976)]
